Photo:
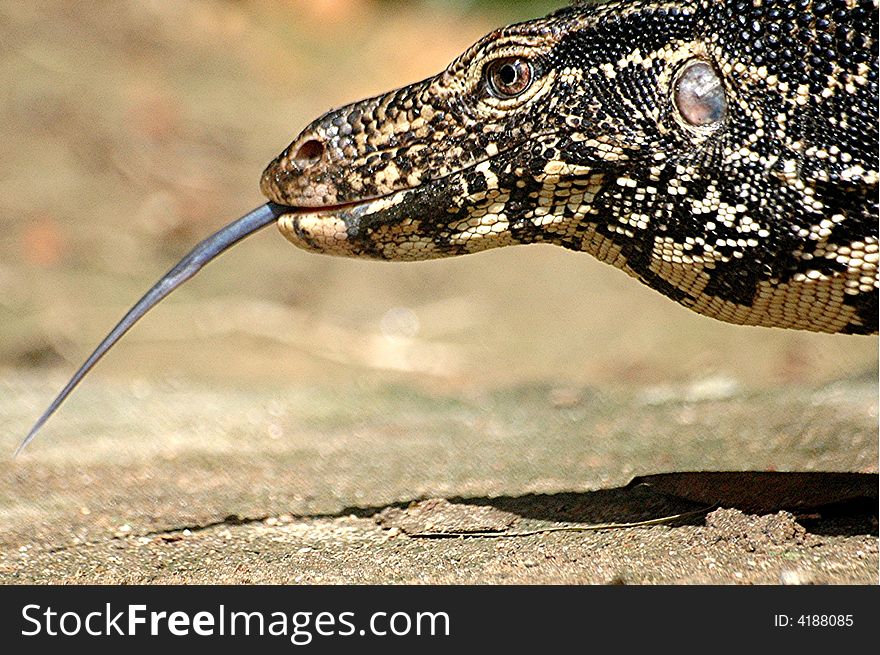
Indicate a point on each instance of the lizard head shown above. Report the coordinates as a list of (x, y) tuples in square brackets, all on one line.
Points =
[(511, 144), (721, 152)]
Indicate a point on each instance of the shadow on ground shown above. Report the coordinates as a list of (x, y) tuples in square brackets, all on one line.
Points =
[(826, 503)]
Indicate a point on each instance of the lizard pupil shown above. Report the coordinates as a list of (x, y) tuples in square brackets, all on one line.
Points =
[(508, 78), (507, 74), (699, 95)]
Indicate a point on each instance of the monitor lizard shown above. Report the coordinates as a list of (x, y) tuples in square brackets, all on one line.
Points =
[(722, 152)]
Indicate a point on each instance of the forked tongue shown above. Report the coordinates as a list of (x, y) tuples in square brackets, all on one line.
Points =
[(186, 268)]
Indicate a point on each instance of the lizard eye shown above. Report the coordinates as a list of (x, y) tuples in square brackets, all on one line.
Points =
[(508, 77), (699, 95)]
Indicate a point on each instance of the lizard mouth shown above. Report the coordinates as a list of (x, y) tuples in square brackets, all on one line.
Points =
[(402, 224), (333, 229)]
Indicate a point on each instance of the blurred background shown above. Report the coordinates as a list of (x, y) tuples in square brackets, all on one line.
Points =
[(132, 129)]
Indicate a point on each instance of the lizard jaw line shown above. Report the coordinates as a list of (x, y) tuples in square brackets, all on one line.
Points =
[(326, 229)]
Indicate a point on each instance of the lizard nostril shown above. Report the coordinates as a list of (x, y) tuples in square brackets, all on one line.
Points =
[(309, 153)]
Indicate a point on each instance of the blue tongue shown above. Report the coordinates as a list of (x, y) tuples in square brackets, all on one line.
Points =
[(206, 251)]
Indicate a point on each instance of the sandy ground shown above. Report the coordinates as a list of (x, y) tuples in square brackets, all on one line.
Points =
[(277, 419), (161, 485)]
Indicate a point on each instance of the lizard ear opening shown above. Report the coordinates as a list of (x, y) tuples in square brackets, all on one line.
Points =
[(699, 95)]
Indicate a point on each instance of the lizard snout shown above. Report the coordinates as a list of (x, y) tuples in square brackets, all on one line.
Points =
[(372, 149), (298, 176)]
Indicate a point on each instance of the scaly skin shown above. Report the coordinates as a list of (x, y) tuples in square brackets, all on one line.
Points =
[(766, 218)]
